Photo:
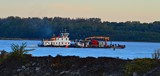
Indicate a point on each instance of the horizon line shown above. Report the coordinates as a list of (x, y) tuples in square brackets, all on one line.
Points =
[(83, 18)]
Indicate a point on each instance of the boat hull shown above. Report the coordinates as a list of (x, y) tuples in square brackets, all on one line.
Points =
[(49, 46), (73, 46)]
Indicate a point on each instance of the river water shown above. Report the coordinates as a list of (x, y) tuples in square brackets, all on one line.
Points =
[(132, 50)]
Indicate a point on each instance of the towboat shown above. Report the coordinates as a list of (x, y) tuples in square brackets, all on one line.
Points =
[(59, 41)]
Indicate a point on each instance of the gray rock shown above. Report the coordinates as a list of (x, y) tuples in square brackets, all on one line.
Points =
[(15, 75), (15, 71), (27, 73), (21, 74), (18, 70), (23, 67), (114, 75), (135, 74), (47, 74), (64, 72), (28, 65), (33, 64), (27, 69), (37, 68), (75, 73)]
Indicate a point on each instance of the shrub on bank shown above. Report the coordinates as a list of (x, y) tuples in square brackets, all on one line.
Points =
[(1, 60), (19, 51), (140, 66), (156, 54), (3, 55)]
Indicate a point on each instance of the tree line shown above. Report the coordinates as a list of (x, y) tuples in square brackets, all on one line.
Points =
[(79, 28)]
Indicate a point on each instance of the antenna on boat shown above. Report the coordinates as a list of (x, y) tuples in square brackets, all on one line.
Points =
[(62, 30), (65, 30)]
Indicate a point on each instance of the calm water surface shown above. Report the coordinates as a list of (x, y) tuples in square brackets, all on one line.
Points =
[(132, 50)]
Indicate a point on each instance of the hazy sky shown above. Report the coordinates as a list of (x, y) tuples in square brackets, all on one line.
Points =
[(107, 10)]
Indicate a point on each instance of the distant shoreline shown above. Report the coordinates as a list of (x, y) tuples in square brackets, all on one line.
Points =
[(41, 39)]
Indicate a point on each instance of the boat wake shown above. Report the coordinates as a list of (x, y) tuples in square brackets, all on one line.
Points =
[(32, 46)]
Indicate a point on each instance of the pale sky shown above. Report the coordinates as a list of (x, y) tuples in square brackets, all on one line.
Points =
[(107, 10)]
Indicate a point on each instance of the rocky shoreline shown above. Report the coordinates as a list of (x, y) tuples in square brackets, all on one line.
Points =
[(63, 66), (67, 66)]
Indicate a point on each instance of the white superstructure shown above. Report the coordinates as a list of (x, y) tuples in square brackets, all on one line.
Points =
[(60, 41)]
